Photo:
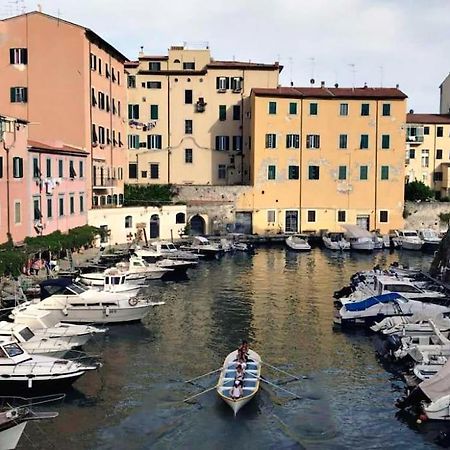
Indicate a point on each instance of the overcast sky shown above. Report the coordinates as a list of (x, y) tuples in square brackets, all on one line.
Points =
[(381, 42)]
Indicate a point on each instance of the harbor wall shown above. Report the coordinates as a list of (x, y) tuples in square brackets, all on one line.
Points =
[(426, 215)]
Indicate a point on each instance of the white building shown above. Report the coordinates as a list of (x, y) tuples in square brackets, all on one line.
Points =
[(445, 96)]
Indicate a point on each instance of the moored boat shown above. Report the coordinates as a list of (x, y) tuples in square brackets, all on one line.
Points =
[(360, 239), (298, 243), (335, 242)]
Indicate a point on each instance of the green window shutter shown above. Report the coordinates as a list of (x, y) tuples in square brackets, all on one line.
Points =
[(154, 112), (271, 172), (12, 94), (222, 112), (272, 107), (385, 141), (385, 172), (342, 172), (292, 108), (313, 108), (363, 172)]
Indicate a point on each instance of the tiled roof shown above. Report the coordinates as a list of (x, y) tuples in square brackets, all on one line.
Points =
[(428, 118), (325, 92), (243, 65), (55, 148)]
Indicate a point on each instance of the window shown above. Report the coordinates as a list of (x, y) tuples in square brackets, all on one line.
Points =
[(342, 173), (313, 109), (222, 143), (342, 141), (48, 164), (188, 126), (364, 141), (107, 74), (384, 216), (133, 111), (188, 155), (37, 208), (180, 218), (101, 135), (412, 153), (293, 108), (437, 176), (17, 167), (311, 216), (293, 172), (271, 172), (113, 74), (291, 221), (1, 166), (17, 213), (154, 141), (271, 216), (425, 158), (439, 131), (72, 173), (154, 112), (132, 170), (94, 134), (18, 56), (271, 140), (426, 130), (365, 109), (222, 171), (438, 153), (128, 222), (313, 172), (385, 172), (72, 204), (36, 171), (81, 203), (341, 216), (292, 141), (237, 143), (222, 112), (131, 81), (93, 97), (236, 84), (93, 62), (386, 109), (272, 107), (236, 112), (154, 66), (188, 96), (49, 207), (19, 94), (343, 109), (385, 141), (99, 66), (363, 172), (222, 83), (154, 171), (61, 205), (101, 100), (312, 141), (153, 84), (189, 66), (133, 141)]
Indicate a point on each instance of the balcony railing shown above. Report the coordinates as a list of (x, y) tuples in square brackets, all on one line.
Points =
[(105, 183), (414, 139)]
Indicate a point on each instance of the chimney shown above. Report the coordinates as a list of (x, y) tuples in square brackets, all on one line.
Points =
[(365, 85), (39, 7), (336, 85), (322, 84), (141, 53)]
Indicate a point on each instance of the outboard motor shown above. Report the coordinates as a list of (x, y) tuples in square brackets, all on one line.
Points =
[(393, 343), (344, 292)]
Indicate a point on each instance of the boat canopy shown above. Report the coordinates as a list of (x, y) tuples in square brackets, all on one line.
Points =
[(371, 301), (353, 231), (55, 286), (439, 385), (201, 239)]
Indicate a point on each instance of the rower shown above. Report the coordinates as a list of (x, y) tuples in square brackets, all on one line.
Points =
[(239, 373), (236, 390)]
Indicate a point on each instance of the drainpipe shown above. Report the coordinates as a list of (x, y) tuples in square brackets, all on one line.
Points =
[(168, 129), (301, 166), (242, 126), (376, 165), (90, 129)]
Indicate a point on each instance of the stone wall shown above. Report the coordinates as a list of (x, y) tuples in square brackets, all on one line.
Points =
[(426, 215)]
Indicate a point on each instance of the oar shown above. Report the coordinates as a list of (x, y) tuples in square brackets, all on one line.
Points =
[(200, 393), (204, 375), (283, 371), (278, 387)]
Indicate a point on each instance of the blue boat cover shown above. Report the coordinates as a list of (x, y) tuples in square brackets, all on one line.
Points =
[(368, 302)]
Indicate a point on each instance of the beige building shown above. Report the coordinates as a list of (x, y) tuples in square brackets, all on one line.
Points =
[(189, 117), (445, 96), (324, 157), (69, 84), (428, 151)]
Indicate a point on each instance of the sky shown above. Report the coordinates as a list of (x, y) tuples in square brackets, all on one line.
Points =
[(350, 42)]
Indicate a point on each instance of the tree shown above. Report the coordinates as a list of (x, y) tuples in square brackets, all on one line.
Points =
[(416, 190)]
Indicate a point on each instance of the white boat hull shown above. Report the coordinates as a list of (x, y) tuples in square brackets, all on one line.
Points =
[(412, 245), (10, 437), (363, 246)]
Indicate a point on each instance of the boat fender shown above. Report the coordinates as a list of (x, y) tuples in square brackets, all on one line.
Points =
[(65, 312), (30, 382), (133, 301), (107, 311)]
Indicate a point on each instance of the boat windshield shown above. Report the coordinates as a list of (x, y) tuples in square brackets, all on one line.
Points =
[(74, 289), (410, 233), (26, 333), (401, 288), (12, 350)]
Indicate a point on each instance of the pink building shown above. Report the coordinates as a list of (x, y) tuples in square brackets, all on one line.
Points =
[(69, 84)]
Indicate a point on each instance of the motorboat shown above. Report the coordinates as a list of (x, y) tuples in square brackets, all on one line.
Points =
[(75, 303), (335, 242), (430, 239), (412, 326), (378, 241), (137, 269), (13, 419), (164, 249), (112, 280), (176, 266), (23, 372), (298, 243), (360, 239), (375, 308), (243, 247), (408, 239), (251, 380), (202, 246)]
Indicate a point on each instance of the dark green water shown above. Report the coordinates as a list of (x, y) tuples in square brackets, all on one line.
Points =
[(282, 303)]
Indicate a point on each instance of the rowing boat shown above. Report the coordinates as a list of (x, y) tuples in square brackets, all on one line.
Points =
[(250, 383)]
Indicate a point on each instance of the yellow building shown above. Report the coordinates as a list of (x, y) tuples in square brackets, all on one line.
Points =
[(323, 157), (189, 117), (428, 151)]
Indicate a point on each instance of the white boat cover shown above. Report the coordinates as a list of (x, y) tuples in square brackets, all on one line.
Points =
[(356, 232), (201, 239), (439, 385)]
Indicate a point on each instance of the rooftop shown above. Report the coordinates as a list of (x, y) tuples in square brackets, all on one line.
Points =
[(55, 148), (428, 118)]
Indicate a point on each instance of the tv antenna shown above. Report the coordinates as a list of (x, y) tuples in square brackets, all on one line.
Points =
[(353, 69)]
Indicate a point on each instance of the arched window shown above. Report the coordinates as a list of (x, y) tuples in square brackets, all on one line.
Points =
[(109, 199), (180, 218), (176, 61), (128, 222), (95, 200), (102, 200), (120, 199), (114, 199)]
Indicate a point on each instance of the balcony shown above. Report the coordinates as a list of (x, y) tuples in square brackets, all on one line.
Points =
[(414, 140), (105, 183)]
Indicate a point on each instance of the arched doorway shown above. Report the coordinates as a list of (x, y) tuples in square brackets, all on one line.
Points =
[(154, 226), (197, 225)]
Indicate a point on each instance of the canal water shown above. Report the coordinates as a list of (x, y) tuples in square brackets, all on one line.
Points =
[(282, 303)]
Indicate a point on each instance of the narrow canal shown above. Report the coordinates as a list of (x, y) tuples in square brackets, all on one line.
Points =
[(282, 303)]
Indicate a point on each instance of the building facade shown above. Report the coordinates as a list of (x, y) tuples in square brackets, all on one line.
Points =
[(428, 151), (69, 85), (324, 157), (444, 88), (189, 117)]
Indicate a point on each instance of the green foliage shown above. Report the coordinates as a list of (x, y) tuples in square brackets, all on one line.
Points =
[(416, 190), (444, 217), (148, 195)]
